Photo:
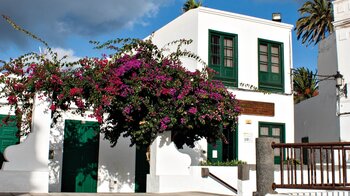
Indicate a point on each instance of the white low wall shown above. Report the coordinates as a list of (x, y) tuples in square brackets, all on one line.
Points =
[(194, 181), (24, 181)]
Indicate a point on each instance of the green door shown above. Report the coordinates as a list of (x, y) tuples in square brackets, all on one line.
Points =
[(141, 169), (8, 135), (276, 131), (80, 156), (222, 152)]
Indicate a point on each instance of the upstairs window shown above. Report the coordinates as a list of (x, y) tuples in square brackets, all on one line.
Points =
[(271, 66), (223, 56)]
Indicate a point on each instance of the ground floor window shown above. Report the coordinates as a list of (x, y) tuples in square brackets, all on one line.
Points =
[(224, 151), (276, 131)]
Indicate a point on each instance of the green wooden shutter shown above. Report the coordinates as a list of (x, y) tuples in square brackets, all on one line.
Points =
[(223, 56), (270, 60), (8, 135)]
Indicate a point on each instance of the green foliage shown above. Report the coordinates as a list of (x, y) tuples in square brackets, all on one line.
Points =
[(136, 92), (254, 88), (315, 21), (225, 163), (305, 84), (191, 4), (292, 162)]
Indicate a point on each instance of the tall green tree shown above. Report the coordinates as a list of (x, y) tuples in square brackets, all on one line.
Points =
[(315, 22), (305, 84), (191, 4)]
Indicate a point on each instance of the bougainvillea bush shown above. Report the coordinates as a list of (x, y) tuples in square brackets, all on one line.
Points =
[(136, 92)]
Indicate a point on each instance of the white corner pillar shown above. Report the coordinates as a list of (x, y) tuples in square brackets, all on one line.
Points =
[(27, 166)]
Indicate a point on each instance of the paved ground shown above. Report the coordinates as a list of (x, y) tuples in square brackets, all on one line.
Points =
[(111, 194)]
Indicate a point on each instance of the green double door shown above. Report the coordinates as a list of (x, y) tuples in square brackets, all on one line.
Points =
[(223, 152), (275, 131), (8, 135), (80, 156)]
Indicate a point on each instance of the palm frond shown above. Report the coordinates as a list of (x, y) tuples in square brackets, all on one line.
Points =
[(315, 22)]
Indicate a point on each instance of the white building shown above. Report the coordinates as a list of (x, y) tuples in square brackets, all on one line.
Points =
[(326, 117), (251, 54), (245, 51)]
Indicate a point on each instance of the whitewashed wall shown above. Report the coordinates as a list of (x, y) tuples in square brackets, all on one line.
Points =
[(248, 125), (341, 21), (317, 118), (183, 27), (196, 24)]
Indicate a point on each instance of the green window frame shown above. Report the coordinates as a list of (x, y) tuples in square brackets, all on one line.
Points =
[(271, 66), (275, 131), (223, 56), (223, 152)]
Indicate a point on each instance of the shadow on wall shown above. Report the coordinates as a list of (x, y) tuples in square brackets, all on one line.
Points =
[(55, 156), (197, 154), (116, 166), (116, 182)]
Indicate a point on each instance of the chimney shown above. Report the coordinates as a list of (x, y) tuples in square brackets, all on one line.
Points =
[(276, 17)]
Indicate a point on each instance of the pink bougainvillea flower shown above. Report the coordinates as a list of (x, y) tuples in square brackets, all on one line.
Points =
[(53, 107), (75, 91), (12, 99), (192, 110)]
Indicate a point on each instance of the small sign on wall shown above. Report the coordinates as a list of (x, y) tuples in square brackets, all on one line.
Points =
[(214, 154), (248, 137)]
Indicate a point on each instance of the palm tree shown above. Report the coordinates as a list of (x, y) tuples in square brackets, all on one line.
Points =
[(305, 84), (191, 4), (316, 21)]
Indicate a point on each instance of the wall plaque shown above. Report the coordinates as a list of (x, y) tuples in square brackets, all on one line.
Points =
[(257, 108)]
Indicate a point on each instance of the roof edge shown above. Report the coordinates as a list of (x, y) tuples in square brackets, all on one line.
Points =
[(244, 17)]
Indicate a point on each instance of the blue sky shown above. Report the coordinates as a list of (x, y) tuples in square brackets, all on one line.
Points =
[(68, 25)]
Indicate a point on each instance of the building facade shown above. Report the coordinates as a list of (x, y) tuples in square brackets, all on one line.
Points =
[(253, 57)]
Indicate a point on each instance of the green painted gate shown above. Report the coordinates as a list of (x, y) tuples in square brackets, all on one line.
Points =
[(8, 135), (80, 156)]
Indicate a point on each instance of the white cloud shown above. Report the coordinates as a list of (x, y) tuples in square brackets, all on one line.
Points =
[(54, 20), (69, 53)]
